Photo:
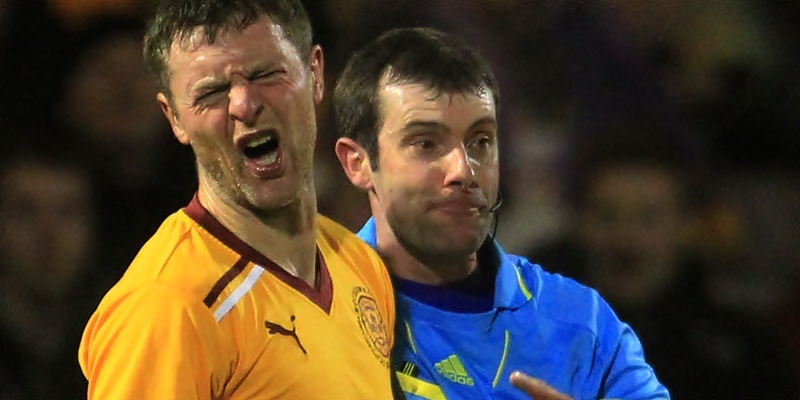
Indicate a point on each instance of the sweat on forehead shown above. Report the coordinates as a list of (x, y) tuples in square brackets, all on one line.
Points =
[(175, 21), (200, 35)]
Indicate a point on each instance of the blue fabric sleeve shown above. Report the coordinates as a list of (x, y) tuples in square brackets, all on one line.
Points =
[(628, 376)]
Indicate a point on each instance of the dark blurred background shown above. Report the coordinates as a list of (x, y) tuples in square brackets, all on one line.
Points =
[(649, 149)]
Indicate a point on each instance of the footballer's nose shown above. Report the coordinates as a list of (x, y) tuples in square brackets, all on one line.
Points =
[(244, 104)]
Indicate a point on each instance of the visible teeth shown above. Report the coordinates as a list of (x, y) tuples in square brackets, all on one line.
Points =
[(263, 150), (259, 142), (269, 159)]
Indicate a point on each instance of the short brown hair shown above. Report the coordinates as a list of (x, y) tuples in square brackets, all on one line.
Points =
[(173, 20)]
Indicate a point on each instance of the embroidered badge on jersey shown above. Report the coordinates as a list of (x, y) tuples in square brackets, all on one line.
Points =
[(371, 323)]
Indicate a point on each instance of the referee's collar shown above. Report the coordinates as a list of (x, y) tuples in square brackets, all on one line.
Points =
[(368, 233), (511, 290)]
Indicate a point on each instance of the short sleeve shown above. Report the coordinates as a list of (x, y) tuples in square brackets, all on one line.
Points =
[(627, 374), (153, 343)]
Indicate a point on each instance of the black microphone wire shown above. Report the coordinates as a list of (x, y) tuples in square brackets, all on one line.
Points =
[(495, 209)]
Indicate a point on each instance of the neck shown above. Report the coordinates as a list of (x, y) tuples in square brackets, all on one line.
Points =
[(406, 266), (421, 268), (286, 235)]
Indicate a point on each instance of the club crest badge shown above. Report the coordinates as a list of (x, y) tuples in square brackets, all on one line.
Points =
[(371, 323)]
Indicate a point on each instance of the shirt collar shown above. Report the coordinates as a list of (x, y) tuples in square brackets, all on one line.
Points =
[(511, 289)]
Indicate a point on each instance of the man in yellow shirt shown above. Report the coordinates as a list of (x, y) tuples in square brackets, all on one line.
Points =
[(246, 293)]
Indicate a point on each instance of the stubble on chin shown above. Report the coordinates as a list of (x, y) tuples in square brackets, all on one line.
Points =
[(434, 245)]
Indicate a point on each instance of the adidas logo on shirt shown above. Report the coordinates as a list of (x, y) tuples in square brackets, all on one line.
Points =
[(452, 369)]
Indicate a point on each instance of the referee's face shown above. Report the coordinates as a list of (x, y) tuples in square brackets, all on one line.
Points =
[(438, 170)]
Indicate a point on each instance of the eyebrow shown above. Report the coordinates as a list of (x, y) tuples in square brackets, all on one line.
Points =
[(210, 83), (260, 68), (437, 125), (484, 121), (425, 124)]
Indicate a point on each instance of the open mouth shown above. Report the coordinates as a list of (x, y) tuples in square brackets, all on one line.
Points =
[(263, 149)]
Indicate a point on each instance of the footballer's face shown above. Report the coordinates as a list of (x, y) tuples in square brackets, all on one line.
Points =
[(437, 171), (246, 105)]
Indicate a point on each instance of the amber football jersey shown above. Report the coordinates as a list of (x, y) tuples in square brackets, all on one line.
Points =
[(199, 314)]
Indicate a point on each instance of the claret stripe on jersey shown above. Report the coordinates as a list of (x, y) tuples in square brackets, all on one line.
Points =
[(199, 314), (213, 294), (239, 292), (321, 295)]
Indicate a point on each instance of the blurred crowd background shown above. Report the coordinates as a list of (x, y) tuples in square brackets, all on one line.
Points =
[(649, 149)]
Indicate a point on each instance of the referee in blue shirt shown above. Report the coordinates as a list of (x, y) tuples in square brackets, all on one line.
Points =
[(417, 109)]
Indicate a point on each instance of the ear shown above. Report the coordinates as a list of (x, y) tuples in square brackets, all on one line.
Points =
[(172, 117), (355, 162), (317, 64)]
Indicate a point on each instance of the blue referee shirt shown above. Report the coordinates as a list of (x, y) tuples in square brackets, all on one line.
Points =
[(543, 324)]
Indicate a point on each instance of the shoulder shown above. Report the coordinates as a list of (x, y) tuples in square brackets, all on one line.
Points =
[(331, 229), (563, 299), (156, 333), (150, 303), (351, 261), (574, 316), (350, 258), (335, 238), (181, 258), (158, 304), (551, 286)]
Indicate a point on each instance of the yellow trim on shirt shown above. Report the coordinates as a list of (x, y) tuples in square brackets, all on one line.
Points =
[(410, 337), (522, 286), (502, 364), (420, 388)]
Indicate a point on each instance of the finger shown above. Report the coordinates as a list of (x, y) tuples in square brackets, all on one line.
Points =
[(536, 388)]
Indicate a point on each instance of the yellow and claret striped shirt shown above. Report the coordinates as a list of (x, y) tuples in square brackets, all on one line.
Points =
[(199, 314)]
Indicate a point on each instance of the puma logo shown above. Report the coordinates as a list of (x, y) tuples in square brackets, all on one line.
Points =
[(275, 328)]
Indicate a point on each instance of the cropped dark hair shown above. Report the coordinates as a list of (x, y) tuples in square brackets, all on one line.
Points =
[(176, 20), (413, 55)]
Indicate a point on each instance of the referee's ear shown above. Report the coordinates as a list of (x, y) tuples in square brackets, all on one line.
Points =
[(355, 162)]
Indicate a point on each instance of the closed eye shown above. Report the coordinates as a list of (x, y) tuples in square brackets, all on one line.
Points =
[(265, 75), (210, 94)]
